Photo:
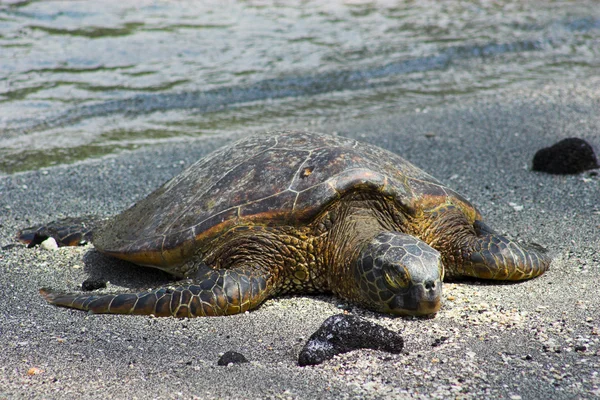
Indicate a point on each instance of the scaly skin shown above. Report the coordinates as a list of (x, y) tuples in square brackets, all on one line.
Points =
[(415, 288), (213, 293), (470, 248), (493, 256)]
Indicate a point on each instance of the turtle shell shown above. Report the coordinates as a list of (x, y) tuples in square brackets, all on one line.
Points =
[(280, 178)]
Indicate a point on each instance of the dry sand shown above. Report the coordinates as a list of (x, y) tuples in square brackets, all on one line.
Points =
[(532, 340)]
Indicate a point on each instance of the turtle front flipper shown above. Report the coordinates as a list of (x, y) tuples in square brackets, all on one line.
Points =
[(66, 232), (492, 256), (212, 293)]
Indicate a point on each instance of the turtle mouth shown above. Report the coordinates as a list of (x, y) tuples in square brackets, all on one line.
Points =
[(422, 299)]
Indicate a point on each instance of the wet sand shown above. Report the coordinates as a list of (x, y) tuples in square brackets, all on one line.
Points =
[(535, 339)]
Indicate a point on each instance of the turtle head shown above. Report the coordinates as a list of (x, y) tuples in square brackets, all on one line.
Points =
[(400, 274)]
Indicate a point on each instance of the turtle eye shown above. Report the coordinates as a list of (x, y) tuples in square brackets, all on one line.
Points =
[(396, 276)]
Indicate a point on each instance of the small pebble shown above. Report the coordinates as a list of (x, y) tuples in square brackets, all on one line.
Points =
[(343, 333), (439, 341), (49, 244), (34, 371), (231, 357), (92, 284), (516, 206), (569, 156)]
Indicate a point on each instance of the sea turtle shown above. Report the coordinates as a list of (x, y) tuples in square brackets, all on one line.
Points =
[(298, 212)]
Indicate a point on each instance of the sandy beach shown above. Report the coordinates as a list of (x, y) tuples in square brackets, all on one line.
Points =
[(530, 340)]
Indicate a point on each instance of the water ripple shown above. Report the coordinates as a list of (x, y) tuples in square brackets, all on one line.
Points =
[(308, 85)]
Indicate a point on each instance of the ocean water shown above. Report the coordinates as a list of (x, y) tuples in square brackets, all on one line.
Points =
[(81, 79)]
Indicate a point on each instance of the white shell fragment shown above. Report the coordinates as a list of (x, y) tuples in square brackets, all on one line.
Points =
[(49, 244)]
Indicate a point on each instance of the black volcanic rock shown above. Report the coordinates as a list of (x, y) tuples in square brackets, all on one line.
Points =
[(569, 156), (93, 284), (343, 333)]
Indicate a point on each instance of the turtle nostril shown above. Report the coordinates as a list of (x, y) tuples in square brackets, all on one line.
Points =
[(429, 285)]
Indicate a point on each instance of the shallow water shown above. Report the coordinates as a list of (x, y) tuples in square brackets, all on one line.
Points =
[(80, 79)]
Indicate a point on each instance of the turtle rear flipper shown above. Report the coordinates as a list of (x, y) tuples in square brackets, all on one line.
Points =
[(215, 292), (66, 232)]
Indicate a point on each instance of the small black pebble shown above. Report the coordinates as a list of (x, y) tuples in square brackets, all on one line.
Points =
[(232, 357), (569, 156), (343, 333), (528, 357), (91, 284), (580, 348)]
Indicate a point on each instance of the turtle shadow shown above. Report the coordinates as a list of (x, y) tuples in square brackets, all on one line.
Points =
[(349, 308), (100, 267), (483, 282)]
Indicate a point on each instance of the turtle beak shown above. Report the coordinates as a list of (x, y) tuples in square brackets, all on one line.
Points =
[(423, 298)]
